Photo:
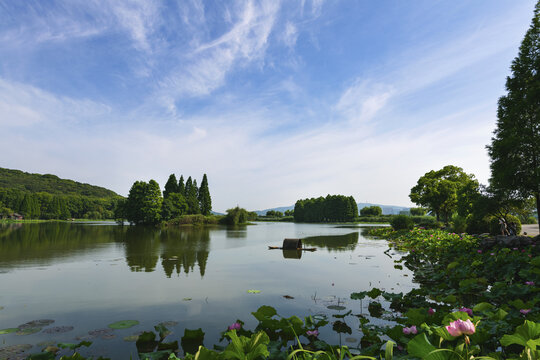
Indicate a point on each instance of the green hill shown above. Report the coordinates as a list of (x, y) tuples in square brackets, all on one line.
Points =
[(37, 196), (52, 184)]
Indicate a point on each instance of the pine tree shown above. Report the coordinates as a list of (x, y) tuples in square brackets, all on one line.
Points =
[(192, 198), (515, 147), (187, 189), (205, 200), (181, 186), (171, 186)]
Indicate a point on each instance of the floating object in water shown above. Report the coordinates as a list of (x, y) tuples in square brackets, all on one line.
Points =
[(288, 297)]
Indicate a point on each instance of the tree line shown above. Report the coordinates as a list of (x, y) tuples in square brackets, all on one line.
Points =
[(44, 205), (146, 204), (326, 209)]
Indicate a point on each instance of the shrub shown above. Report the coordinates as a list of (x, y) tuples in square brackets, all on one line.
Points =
[(495, 227), (459, 224), (402, 222)]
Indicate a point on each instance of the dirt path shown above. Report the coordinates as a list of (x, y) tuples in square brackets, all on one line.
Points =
[(530, 229)]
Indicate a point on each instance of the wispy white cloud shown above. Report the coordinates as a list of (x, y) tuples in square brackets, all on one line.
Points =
[(206, 68), (139, 18), (361, 101), (24, 105)]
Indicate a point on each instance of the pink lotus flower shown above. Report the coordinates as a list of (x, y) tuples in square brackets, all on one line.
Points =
[(235, 326), (431, 311), (467, 310), (525, 311), (460, 327), (410, 330), (312, 333), (479, 251), (531, 283)]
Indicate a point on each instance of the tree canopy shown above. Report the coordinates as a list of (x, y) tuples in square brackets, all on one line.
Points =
[(330, 208), (371, 211), (515, 146), (438, 190)]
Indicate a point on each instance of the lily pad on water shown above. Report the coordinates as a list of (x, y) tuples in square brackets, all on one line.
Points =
[(168, 323), (251, 291), (8, 331), (27, 331), (187, 299), (1, 307), (58, 330), (11, 352), (123, 324), (336, 307), (132, 338), (36, 324), (101, 333)]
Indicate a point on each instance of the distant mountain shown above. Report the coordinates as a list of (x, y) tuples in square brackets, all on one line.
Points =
[(52, 184), (386, 209)]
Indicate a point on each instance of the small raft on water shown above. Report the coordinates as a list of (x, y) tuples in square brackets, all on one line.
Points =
[(291, 244)]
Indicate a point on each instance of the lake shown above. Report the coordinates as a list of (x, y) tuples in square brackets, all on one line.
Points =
[(88, 275)]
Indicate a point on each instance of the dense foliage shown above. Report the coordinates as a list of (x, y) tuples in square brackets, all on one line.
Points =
[(238, 216), (330, 208), (371, 211), (48, 197), (515, 147), (146, 205), (52, 184), (440, 190)]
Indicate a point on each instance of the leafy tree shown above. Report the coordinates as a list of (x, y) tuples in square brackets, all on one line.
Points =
[(371, 211), (173, 206), (331, 208), (205, 201), (515, 146), (30, 207), (289, 212), (438, 190), (143, 205), (418, 211), (171, 186), (236, 216)]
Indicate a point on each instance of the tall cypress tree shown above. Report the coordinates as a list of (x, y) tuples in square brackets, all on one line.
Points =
[(205, 201), (181, 186), (192, 199), (515, 147), (171, 186), (187, 189)]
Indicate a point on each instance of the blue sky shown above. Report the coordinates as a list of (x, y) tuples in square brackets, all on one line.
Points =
[(273, 100)]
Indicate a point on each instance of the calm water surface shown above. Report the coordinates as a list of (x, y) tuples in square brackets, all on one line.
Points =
[(90, 275)]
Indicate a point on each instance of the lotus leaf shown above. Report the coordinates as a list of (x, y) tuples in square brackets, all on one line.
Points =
[(131, 338), (251, 291), (28, 331), (336, 307), (123, 324), (191, 340), (58, 329), (10, 351), (8, 331), (36, 323), (158, 355), (74, 346)]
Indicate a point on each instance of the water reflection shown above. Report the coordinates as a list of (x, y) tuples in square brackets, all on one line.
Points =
[(182, 249), (42, 243), (345, 242)]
